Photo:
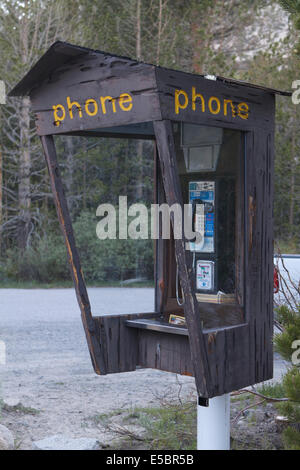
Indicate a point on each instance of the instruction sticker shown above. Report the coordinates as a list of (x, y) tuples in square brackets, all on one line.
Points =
[(205, 275)]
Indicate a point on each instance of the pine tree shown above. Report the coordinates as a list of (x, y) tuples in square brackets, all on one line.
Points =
[(284, 342), (293, 7)]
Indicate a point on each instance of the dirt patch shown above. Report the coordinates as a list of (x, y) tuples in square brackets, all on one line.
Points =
[(69, 407), (169, 423)]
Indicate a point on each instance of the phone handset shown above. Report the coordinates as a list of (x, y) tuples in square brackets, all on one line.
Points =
[(198, 220), (180, 302)]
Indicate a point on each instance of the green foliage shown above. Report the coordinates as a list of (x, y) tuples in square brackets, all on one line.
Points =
[(291, 439), (291, 323), (290, 245), (171, 427), (273, 390), (291, 383), (293, 7), (92, 253), (3, 276), (44, 262), (278, 68), (196, 36), (291, 409), (109, 260), (290, 320)]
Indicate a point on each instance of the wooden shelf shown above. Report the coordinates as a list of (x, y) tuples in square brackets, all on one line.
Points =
[(157, 325)]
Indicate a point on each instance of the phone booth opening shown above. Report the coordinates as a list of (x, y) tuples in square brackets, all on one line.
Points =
[(210, 162), (213, 304)]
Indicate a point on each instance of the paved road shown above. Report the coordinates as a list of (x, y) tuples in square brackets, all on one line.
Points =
[(48, 365), (52, 305), (43, 332), (43, 326)]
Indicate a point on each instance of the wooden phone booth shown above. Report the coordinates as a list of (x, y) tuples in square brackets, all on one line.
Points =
[(213, 314)]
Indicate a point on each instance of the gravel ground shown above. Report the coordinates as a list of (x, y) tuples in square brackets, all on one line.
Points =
[(48, 366)]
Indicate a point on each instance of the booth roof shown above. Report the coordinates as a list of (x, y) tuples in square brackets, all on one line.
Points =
[(61, 52)]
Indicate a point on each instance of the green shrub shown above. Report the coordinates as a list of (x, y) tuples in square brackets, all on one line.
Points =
[(46, 262), (102, 260), (290, 319), (111, 259)]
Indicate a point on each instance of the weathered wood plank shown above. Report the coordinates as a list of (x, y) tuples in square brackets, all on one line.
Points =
[(164, 351), (78, 98), (120, 344), (260, 256), (220, 104)]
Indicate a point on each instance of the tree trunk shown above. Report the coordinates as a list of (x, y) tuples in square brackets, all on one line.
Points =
[(138, 31), (159, 31), (24, 175), (24, 163)]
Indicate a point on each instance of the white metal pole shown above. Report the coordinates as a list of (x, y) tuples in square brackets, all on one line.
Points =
[(213, 424)]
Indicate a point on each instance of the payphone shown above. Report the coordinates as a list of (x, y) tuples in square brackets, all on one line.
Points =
[(202, 200), (215, 151), (210, 163)]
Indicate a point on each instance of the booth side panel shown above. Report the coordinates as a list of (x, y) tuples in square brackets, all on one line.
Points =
[(259, 286), (228, 357), (120, 344), (243, 356)]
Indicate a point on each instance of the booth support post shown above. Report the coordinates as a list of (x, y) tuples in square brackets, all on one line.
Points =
[(213, 423)]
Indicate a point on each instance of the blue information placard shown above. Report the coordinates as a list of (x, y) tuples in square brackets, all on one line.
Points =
[(202, 198)]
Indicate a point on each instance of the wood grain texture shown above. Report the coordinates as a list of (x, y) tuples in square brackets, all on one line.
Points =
[(259, 289), (119, 342), (93, 77), (258, 100), (165, 352)]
